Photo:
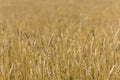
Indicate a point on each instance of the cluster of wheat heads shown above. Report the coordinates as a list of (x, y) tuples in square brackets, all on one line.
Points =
[(59, 40)]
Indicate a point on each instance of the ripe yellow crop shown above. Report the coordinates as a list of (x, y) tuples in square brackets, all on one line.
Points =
[(59, 40)]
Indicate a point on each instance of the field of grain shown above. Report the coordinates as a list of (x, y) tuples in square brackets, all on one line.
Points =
[(59, 40)]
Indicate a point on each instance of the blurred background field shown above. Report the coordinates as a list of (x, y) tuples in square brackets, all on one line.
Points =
[(59, 40)]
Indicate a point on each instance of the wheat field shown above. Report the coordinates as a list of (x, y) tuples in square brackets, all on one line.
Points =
[(59, 40)]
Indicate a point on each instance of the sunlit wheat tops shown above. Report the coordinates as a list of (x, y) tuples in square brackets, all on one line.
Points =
[(59, 40)]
